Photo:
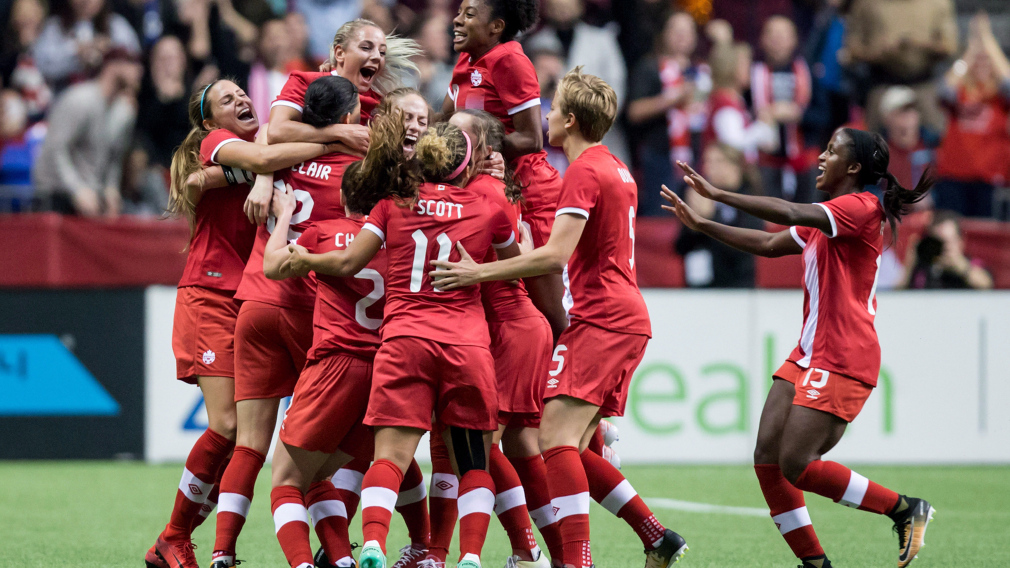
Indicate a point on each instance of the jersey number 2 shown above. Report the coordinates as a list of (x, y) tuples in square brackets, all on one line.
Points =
[(378, 289), (420, 266)]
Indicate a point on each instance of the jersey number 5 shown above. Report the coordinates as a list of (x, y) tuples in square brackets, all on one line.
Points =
[(420, 265)]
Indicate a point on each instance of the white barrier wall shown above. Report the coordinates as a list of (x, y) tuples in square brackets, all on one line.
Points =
[(697, 397)]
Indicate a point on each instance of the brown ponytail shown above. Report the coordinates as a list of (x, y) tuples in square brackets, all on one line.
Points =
[(491, 132), (384, 172), (870, 151), (441, 151), (186, 159)]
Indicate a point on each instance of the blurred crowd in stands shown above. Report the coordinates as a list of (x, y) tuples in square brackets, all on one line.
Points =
[(93, 92)]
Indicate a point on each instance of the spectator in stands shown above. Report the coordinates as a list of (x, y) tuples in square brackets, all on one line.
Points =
[(662, 87), (900, 42), (781, 85), (748, 17), (728, 121), (81, 162), (18, 71), (298, 35), (270, 70), (547, 55), (436, 63), (323, 18), (830, 100), (709, 263), (76, 38), (912, 145), (974, 156), (596, 49), (938, 259)]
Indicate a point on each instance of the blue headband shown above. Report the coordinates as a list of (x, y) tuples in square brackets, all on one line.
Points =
[(202, 95)]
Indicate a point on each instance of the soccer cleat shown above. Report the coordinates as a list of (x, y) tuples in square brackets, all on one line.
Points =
[(540, 562), (609, 431), (911, 529), (410, 557), (225, 563), (321, 560), (177, 554), (668, 552), (611, 456), (371, 556), (469, 560), (825, 563), (430, 563), (154, 560)]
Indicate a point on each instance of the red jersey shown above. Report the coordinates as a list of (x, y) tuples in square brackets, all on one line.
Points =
[(222, 235), (428, 230), (293, 93), (839, 289), (348, 311), (503, 82), (600, 278), (316, 184), (503, 301)]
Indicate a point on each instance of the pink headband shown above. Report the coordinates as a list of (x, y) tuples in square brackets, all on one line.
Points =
[(466, 159)]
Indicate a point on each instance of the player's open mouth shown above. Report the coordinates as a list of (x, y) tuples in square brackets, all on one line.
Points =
[(368, 73), (409, 142), (246, 114), (823, 169), (458, 37)]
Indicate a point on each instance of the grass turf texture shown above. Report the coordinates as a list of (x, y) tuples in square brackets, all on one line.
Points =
[(107, 514)]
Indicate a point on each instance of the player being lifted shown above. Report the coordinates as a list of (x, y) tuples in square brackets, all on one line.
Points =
[(593, 243), (825, 381)]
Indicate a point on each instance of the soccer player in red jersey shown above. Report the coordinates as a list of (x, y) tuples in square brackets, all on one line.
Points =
[(364, 55), (493, 74), (273, 330), (434, 358), (521, 344), (593, 242), (224, 125), (832, 371)]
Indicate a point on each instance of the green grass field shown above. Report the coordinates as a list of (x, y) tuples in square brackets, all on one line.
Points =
[(107, 514)]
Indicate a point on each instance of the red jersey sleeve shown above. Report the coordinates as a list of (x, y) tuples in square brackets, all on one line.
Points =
[(293, 93), (801, 235), (850, 214), (501, 226), (379, 218), (214, 142), (516, 82), (309, 239), (579, 192)]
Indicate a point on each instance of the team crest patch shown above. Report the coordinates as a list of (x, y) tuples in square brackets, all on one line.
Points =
[(476, 78), (208, 357)]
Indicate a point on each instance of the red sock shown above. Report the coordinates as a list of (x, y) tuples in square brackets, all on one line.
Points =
[(206, 509), (412, 505), (510, 506), (566, 480), (611, 490), (291, 522), (378, 497), (842, 485), (533, 474), (237, 485), (788, 511), (347, 480), (442, 501), (329, 519), (476, 503), (205, 459), (597, 442)]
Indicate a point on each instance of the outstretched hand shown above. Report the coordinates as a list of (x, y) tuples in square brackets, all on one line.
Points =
[(698, 183), (451, 275), (687, 216), (298, 259)]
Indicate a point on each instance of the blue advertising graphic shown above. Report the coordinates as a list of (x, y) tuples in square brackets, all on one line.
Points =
[(40, 377)]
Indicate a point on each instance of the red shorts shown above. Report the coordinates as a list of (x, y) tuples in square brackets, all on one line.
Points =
[(270, 347), (328, 407), (203, 333), (414, 377), (521, 350), (833, 393), (595, 365), (543, 184)]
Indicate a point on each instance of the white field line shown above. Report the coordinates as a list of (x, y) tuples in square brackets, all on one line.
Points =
[(692, 507)]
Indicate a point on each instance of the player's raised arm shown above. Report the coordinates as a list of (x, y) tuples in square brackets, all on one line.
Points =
[(347, 262), (761, 243), (276, 258)]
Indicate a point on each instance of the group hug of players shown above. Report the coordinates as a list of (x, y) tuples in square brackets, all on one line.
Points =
[(332, 258)]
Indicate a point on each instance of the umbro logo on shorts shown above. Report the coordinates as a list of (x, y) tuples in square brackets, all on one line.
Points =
[(552, 384), (209, 357), (812, 394)]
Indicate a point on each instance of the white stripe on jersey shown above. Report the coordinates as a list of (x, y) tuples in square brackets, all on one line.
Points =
[(812, 282)]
